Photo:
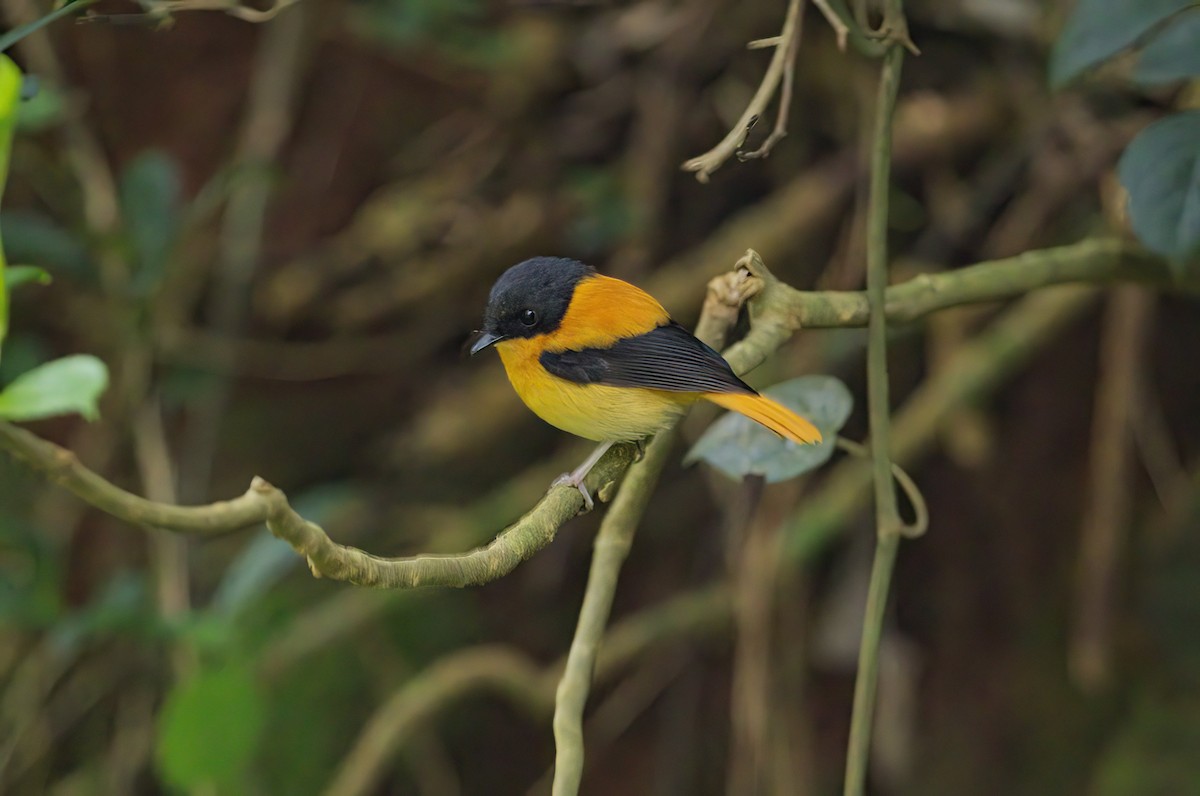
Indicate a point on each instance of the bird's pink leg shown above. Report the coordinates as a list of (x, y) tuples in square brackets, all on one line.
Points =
[(576, 476)]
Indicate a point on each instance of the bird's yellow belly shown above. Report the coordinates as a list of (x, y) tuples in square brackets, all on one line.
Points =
[(592, 411)]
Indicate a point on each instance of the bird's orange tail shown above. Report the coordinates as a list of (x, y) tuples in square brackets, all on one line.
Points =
[(775, 416)]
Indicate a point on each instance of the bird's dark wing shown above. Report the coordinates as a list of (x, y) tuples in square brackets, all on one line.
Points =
[(668, 357)]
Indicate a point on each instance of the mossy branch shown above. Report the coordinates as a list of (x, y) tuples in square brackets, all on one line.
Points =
[(977, 369), (776, 312)]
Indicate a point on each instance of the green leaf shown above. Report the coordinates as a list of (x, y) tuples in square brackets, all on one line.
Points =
[(17, 275), (209, 728), (738, 447), (38, 240), (1161, 171), (67, 385), (1173, 54), (10, 95), (1099, 29), (150, 189)]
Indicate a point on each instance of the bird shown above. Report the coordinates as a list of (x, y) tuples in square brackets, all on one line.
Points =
[(600, 358)]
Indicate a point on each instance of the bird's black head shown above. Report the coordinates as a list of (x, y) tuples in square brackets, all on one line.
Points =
[(529, 299)]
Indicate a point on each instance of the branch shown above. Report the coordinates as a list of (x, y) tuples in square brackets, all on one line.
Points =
[(975, 369), (888, 525), (776, 311), (1092, 261), (785, 51), (265, 503), (498, 669), (791, 45), (725, 297)]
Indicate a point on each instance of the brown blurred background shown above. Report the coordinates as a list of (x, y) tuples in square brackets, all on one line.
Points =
[(279, 235)]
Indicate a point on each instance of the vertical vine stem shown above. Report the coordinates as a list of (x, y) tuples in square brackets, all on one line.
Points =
[(887, 516)]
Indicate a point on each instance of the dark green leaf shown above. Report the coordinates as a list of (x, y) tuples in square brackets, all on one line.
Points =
[(1099, 29), (210, 727), (1161, 171), (738, 447), (18, 275), (150, 204), (1173, 54), (37, 240), (67, 385)]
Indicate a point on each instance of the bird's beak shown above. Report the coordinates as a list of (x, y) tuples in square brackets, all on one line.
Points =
[(485, 340)]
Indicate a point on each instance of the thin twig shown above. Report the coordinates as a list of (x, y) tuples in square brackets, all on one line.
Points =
[(888, 526), (792, 45), (726, 295), (920, 522), (1106, 516), (704, 165), (696, 614)]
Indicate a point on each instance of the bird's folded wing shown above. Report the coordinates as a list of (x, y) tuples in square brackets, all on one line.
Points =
[(668, 357)]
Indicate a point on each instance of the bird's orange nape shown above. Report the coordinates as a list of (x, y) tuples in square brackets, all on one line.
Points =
[(604, 310)]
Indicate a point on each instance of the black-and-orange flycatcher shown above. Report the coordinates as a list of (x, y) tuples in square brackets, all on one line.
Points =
[(601, 359)]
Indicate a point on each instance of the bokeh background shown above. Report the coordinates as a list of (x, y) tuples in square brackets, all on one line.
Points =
[(278, 237)]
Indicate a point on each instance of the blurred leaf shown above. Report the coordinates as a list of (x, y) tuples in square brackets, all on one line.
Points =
[(1174, 54), (303, 753), (17, 275), (64, 386), (1099, 29), (738, 446), (37, 240), (10, 93), (150, 189), (209, 728), (1161, 171), (41, 110)]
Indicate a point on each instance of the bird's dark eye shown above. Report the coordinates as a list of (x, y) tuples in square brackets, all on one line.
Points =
[(528, 317)]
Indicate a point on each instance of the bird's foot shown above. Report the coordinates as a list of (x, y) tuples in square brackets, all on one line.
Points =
[(576, 476), (640, 454), (572, 479)]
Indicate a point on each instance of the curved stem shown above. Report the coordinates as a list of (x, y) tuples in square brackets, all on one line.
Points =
[(888, 526)]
